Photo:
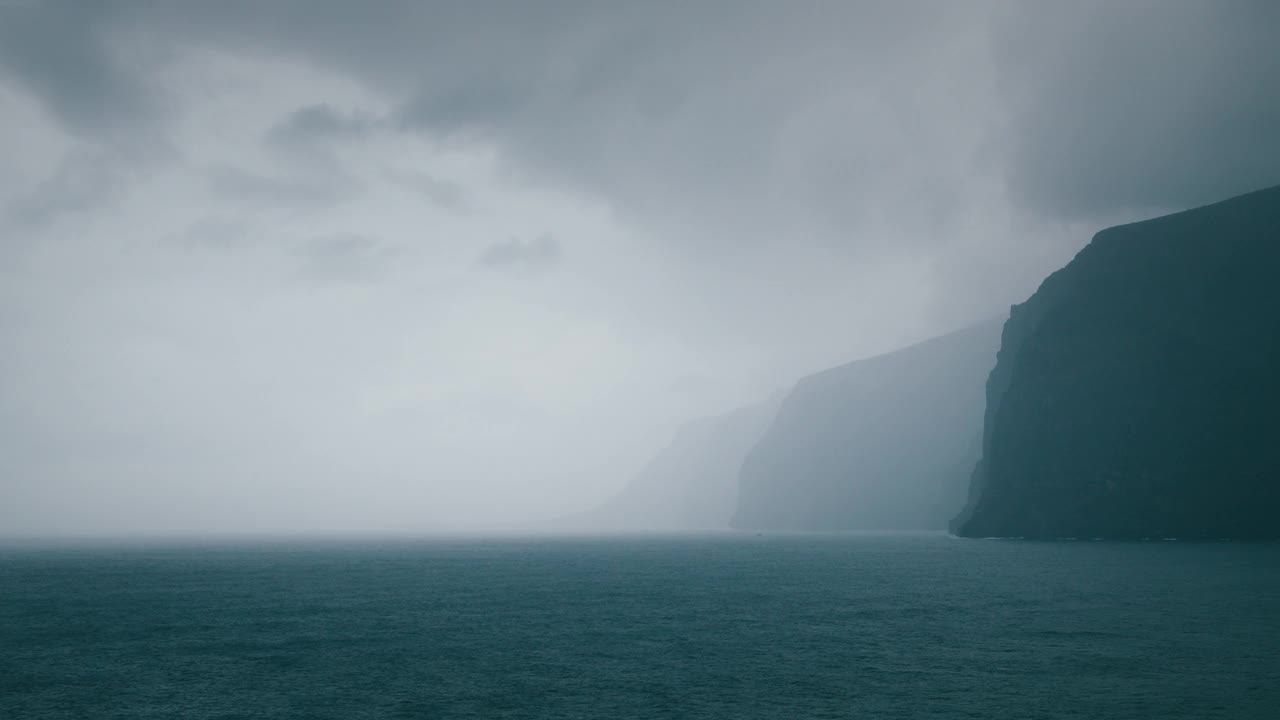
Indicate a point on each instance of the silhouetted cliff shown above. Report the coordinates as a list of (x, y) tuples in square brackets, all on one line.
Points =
[(692, 484), (1137, 393), (882, 443)]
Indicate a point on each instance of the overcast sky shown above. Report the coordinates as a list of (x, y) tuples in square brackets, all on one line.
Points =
[(333, 265)]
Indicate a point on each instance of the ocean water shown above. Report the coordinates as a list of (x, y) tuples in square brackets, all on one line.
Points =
[(671, 627)]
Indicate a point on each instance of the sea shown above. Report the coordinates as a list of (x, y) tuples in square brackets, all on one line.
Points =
[(732, 626)]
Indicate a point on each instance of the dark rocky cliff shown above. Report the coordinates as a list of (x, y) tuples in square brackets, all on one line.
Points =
[(1137, 393), (878, 444)]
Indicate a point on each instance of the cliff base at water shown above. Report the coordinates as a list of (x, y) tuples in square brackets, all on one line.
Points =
[(1137, 392)]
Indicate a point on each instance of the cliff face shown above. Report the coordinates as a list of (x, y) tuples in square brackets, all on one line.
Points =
[(1136, 394), (692, 484), (882, 443)]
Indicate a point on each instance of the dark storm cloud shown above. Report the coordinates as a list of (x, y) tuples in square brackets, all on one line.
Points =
[(60, 52), (687, 116), (674, 113), (462, 109), (320, 123), (535, 254), (752, 118), (1140, 106), (731, 120)]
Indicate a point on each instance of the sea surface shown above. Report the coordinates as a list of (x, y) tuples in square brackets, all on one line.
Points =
[(733, 626)]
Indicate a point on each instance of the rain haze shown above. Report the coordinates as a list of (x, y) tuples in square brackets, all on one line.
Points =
[(328, 266)]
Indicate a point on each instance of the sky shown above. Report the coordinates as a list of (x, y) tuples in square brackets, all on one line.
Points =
[(337, 266)]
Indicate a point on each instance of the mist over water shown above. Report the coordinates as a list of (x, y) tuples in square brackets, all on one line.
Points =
[(556, 359), (323, 266)]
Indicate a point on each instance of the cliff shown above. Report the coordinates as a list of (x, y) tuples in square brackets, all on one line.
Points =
[(692, 484), (1135, 393), (882, 443)]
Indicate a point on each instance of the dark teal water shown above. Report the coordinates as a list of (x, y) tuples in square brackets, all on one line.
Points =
[(712, 627)]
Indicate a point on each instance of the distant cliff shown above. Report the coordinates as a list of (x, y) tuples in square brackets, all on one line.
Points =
[(692, 484), (882, 443), (1137, 392)]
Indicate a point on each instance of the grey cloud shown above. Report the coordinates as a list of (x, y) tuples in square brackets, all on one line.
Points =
[(215, 232), (731, 126), (441, 193), (83, 181), (281, 191), (730, 123), (541, 252), (345, 257), (768, 188), (723, 126), (320, 123), (61, 51), (473, 108), (1139, 107)]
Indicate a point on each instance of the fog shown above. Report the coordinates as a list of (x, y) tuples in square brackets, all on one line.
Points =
[(326, 266)]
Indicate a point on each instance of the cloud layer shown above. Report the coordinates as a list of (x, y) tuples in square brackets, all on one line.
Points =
[(407, 265)]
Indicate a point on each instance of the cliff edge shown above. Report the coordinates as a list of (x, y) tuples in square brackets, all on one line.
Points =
[(885, 443), (1136, 394)]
